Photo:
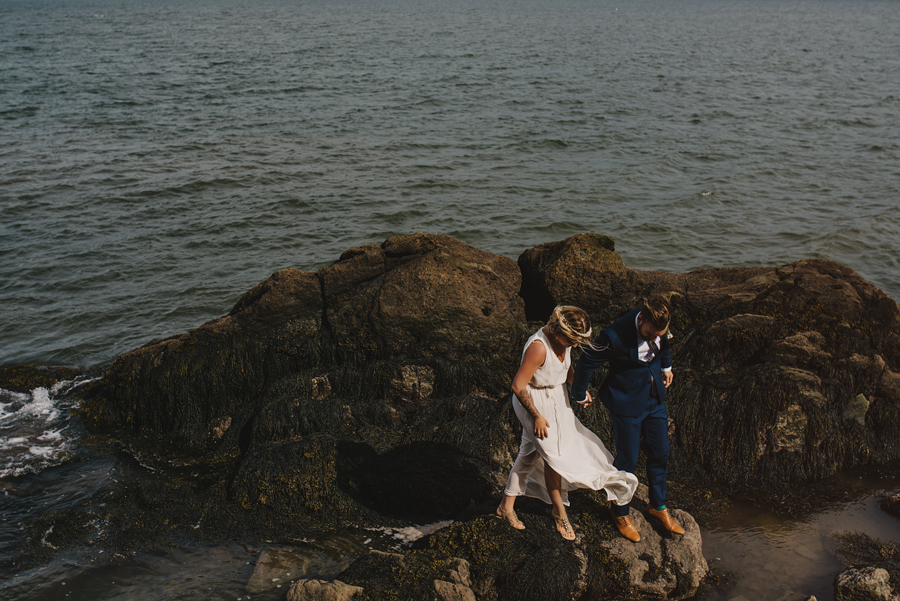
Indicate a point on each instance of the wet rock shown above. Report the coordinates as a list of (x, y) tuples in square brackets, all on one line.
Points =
[(297, 481), (276, 566), (25, 378), (891, 505), (782, 374), (321, 590), (536, 563), (856, 409), (863, 584)]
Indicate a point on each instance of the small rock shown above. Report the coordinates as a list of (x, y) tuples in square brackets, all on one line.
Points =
[(219, 426), (863, 584), (448, 591), (458, 571), (891, 505), (856, 409), (411, 383), (322, 590), (321, 387)]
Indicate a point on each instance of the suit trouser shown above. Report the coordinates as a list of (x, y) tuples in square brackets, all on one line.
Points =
[(653, 427)]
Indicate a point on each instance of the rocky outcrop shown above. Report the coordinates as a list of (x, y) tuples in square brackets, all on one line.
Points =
[(377, 390), (782, 374)]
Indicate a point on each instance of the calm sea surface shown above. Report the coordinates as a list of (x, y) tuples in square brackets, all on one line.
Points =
[(159, 158)]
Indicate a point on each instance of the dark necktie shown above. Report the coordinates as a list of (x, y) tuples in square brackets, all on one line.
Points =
[(654, 348)]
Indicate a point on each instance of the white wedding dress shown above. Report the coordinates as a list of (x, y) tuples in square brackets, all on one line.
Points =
[(573, 451)]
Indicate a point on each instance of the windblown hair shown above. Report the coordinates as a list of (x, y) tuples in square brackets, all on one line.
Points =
[(656, 312), (571, 322)]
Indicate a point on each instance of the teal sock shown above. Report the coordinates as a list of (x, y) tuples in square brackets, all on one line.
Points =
[(659, 508)]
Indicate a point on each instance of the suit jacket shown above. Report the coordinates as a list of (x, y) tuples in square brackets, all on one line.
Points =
[(626, 390)]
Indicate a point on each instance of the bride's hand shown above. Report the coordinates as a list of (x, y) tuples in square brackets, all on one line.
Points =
[(588, 400), (541, 426)]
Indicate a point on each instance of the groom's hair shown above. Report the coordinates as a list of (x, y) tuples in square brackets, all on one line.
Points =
[(656, 312)]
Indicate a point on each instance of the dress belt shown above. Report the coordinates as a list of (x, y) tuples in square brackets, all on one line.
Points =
[(544, 387)]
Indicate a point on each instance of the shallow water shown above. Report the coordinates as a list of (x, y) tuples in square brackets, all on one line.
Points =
[(788, 559)]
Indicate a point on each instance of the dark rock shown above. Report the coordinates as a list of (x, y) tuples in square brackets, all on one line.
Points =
[(297, 481), (411, 383), (423, 295), (451, 591), (424, 482), (26, 378), (178, 386), (782, 374)]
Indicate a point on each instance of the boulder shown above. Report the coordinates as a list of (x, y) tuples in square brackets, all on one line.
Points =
[(423, 295), (891, 505), (863, 584), (187, 387), (782, 374), (661, 565), (26, 378)]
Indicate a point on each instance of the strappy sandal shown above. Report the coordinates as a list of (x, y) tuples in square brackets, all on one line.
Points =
[(563, 527), (510, 518)]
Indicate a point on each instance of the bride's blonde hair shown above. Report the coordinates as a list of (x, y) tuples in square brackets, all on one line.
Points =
[(571, 322)]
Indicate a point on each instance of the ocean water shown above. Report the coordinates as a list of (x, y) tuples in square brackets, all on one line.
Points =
[(159, 158)]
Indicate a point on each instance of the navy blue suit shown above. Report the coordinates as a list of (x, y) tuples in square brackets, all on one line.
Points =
[(626, 393)]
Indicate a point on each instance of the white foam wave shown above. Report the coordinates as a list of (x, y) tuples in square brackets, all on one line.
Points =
[(33, 432)]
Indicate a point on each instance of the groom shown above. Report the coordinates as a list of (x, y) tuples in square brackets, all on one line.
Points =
[(640, 371)]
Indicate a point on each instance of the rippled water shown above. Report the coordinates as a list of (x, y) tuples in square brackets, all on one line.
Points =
[(157, 159)]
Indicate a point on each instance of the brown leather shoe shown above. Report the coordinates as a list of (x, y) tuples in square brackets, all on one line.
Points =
[(668, 522), (626, 527)]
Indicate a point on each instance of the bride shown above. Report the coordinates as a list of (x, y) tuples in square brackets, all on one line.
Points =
[(557, 453)]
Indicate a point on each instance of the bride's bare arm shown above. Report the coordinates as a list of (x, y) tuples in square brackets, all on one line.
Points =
[(534, 357)]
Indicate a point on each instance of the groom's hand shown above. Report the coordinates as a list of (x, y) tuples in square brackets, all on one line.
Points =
[(667, 378), (588, 400)]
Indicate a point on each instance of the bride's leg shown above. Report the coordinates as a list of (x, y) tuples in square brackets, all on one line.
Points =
[(516, 486), (553, 482)]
